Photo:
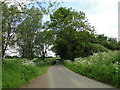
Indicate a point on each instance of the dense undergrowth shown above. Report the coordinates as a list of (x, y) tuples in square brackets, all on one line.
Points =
[(16, 72), (103, 66)]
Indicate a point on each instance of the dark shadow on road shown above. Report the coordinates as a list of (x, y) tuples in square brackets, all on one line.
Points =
[(59, 62)]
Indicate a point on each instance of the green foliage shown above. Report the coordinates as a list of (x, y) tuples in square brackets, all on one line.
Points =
[(42, 43), (98, 48), (8, 57), (52, 58), (47, 61), (10, 20), (26, 33), (103, 67), (15, 75), (110, 43), (75, 37), (74, 44), (72, 33), (20, 25)]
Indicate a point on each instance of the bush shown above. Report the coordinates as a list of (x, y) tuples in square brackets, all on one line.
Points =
[(10, 57), (15, 74), (48, 61), (101, 66)]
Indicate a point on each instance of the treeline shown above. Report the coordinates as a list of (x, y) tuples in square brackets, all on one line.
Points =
[(75, 37), (22, 28), (110, 43), (68, 32)]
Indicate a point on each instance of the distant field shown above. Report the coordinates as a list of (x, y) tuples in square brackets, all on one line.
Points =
[(101, 66)]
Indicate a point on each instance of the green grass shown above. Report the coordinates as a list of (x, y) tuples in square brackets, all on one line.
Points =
[(102, 67), (15, 74)]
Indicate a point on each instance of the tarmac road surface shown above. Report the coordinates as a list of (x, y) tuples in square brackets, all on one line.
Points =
[(58, 76)]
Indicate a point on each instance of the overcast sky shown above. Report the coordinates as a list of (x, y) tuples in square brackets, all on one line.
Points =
[(102, 14)]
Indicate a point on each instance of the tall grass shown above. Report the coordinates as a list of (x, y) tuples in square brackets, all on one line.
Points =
[(103, 67), (15, 74)]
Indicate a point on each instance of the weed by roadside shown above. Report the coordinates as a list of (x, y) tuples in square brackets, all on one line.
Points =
[(16, 74), (101, 66)]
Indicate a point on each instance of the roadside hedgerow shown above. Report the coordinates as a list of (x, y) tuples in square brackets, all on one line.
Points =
[(16, 74), (103, 66)]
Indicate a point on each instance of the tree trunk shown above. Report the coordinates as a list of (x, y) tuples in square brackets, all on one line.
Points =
[(7, 41), (3, 53), (43, 56)]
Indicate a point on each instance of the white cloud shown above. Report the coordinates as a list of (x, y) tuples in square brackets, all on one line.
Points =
[(103, 14), (105, 23)]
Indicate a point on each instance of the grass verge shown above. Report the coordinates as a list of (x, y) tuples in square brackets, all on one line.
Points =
[(14, 74), (103, 67)]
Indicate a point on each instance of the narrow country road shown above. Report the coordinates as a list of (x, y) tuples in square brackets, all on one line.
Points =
[(58, 76)]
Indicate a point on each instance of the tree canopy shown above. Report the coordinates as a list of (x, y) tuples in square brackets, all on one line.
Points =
[(20, 22), (68, 32), (74, 33)]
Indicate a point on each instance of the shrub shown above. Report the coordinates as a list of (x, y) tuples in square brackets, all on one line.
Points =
[(48, 61), (10, 57), (101, 66), (15, 74)]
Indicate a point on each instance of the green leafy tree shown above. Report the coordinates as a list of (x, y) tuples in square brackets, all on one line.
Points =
[(10, 22), (26, 33), (73, 33), (43, 41), (112, 44), (102, 39), (44, 7), (12, 17)]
